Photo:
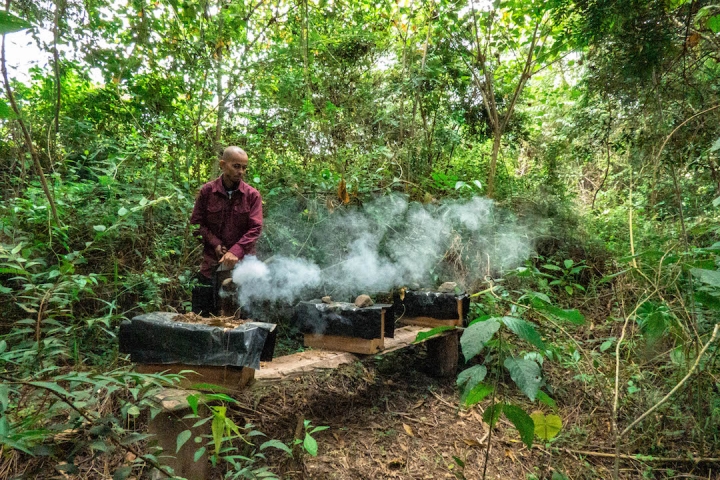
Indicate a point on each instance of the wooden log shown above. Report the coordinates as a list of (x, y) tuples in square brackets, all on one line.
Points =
[(231, 378), (443, 353), (168, 424)]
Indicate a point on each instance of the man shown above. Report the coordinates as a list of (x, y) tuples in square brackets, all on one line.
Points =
[(229, 214)]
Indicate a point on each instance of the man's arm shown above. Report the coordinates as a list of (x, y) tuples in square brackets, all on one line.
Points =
[(248, 240), (198, 218)]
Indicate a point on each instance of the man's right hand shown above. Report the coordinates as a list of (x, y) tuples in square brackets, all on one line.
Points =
[(220, 251)]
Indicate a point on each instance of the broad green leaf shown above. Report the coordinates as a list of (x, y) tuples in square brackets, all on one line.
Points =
[(477, 394), (607, 344), (4, 397), (572, 316), (122, 473), (422, 336), (99, 228), (218, 427), (492, 413), (546, 426), (526, 374), (182, 437), (713, 24), (524, 330), (522, 422), (475, 337), (54, 387), (123, 211), (568, 263), (199, 453), (710, 301), (276, 444), (133, 410), (709, 277), (9, 23), (310, 445), (471, 377), (546, 399), (100, 446), (134, 438), (193, 402), (550, 266)]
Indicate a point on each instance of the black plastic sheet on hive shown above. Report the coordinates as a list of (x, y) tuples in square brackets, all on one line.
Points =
[(438, 305), (157, 338), (345, 319)]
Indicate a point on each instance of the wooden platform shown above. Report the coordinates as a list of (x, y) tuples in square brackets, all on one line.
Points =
[(231, 378), (297, 364)]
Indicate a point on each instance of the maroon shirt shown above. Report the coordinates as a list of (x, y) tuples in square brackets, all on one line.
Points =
[(233, 222)]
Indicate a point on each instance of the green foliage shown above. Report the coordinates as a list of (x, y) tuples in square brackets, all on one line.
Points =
[(526, 374), (546, 426), (9, 23), (228, 442), (422, 336), (609, 154)]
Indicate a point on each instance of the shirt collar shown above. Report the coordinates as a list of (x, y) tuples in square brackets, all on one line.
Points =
[(217, 186)]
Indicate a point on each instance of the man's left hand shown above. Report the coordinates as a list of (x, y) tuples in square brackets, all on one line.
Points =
[(229, 260)]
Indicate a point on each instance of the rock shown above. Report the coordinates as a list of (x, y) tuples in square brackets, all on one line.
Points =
[(327, 299), (363, 301), (447, 287)]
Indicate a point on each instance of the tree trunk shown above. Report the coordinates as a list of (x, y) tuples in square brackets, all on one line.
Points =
[(497, 137), (56, 64), (217, 144), (26, 132)]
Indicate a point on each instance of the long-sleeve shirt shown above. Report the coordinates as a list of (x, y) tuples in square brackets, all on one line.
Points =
[(234, 222)]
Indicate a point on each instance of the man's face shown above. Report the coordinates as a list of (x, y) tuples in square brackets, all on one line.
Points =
[(234, 168)]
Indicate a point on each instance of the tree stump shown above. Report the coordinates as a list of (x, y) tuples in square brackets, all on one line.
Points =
[(443, 353), (168, 424)]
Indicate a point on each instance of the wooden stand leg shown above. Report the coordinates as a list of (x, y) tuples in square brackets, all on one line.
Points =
[(443, 354), (166, 426)]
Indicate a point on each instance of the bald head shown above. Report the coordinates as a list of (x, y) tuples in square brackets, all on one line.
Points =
[(233, 152), (234, 163)]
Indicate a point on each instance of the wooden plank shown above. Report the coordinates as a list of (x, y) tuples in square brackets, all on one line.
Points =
[(431, 322), (344, 344), (232, 378), (297, 364)]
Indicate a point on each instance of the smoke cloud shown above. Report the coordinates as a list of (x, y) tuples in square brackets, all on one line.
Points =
[(388, 243)]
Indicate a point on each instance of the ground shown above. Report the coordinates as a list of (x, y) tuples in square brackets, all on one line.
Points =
[(388, 419)]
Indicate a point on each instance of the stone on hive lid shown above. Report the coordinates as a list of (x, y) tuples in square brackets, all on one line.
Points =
[(327, 299), (447, 287), (363, 301)]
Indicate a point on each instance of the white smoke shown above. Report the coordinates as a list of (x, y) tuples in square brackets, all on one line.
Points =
[(389, 242), (283, 279)]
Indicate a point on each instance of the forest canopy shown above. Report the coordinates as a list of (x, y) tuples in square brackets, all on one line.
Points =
[(557, 159)]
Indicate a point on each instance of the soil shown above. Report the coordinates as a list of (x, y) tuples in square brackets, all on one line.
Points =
[(387, 419)]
